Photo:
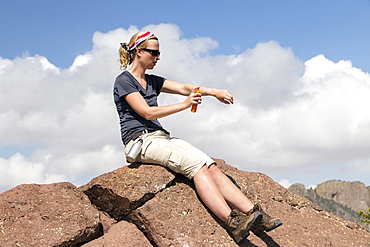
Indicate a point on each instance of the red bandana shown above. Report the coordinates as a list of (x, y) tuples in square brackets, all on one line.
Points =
[(140, 40)]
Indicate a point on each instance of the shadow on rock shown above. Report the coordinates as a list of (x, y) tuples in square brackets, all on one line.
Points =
[(268, 240)]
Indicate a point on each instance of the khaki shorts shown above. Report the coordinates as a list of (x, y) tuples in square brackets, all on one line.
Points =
[(178, 155)]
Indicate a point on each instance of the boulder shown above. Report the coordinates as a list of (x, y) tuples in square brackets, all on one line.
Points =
[(47, 215), (121, 234), (119, 192)]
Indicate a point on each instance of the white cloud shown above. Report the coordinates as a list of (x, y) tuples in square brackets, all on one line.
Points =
[(311, 187), (287, 114), (17, 170), (80, 61), (285, 183)]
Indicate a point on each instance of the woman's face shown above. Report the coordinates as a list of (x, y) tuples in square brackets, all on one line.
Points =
[(147, 59)]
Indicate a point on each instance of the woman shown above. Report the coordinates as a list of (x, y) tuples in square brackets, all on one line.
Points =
[(135, 96)]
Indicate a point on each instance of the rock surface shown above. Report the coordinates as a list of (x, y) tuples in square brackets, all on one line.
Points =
[(121, 234), (47, 215), (146, 205)]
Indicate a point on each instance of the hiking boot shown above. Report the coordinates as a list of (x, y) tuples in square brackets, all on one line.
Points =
[(242, 223), (267, 224)]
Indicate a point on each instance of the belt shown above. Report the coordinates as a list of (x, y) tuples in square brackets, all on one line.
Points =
[(137, 134)]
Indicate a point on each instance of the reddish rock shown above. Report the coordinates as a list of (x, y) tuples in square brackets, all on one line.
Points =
[(47, 215), (156, 208), (176, 217), (121, 234), (304, 223), (119, 192)]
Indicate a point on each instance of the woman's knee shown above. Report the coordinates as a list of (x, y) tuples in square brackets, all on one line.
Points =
[(214, 170), (209, 171)]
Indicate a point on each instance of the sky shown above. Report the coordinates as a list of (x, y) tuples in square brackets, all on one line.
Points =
[(298, 71)]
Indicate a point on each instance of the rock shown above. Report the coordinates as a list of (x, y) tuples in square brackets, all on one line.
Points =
[(155, 207), (121, 234), (119, 192), (47, 215), (176, 217)]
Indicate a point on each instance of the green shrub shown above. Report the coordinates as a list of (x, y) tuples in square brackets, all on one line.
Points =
[(365, 216)]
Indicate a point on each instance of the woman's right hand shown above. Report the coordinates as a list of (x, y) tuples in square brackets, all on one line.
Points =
[(194, 98), (141, 107)]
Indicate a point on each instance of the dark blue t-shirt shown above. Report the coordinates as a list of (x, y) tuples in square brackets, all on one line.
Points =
[(130, 121)]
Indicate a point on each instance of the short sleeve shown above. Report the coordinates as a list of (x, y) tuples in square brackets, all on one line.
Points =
[(124, 85)]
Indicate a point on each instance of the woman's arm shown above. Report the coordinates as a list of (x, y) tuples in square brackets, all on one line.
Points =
[(139, 105), (185, 89)]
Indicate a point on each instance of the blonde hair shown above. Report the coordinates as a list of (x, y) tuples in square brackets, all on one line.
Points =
[(127, 57)]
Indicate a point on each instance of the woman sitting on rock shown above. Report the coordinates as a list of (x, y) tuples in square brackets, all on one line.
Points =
[(135, 96)]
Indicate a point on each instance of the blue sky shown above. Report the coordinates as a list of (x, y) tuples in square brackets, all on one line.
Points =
[(300, 75), (60, 30)]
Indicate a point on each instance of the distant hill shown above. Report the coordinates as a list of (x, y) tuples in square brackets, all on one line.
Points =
[(341, 198)]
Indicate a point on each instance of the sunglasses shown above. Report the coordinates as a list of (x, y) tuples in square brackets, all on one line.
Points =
[(154, 53)]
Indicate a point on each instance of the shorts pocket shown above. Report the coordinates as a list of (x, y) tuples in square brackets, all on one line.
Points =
[(175, 162), (153, 152)]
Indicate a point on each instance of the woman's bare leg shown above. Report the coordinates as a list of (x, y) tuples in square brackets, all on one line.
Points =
[(229, 191), (210, 193)]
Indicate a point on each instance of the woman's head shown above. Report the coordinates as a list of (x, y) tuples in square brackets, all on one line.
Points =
[(127, 51)]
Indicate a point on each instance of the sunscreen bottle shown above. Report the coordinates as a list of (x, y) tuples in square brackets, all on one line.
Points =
[(194, 107)]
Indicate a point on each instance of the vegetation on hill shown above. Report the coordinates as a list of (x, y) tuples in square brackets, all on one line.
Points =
[(365, 216)]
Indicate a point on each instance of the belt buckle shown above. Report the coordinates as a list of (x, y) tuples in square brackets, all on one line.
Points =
[(138, 134)]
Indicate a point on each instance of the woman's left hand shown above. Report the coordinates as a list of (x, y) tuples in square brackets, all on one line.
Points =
[(224, 96)]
